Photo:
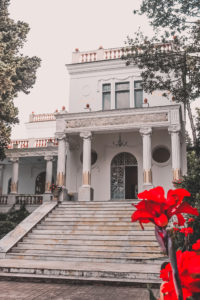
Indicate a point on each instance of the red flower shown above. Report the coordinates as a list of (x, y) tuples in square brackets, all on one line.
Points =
[(157, 209), (176, 229), (191, 220), (188, 263), (196, 246), (186, 231)]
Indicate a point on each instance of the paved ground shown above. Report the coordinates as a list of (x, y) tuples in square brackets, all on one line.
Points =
[(46, 291)]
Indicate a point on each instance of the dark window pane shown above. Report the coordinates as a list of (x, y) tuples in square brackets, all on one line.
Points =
[(161, 154), (122, 100), (106, 87), (106, 101), (138, 98), (138, 85), (124, 86)]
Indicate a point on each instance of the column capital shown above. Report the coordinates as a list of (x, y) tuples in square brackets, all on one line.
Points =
[(145, 130), (14, 159), (86, 135), (174, 128), (61, 136), (48, 157)]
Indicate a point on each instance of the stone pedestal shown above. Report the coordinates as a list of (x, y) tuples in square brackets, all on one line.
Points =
[(63, 196), (85, 193)]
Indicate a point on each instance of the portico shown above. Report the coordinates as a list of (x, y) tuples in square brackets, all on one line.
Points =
[(144, 129)]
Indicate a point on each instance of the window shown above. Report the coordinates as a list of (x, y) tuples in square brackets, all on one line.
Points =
[(106, 93), (122, 98), (161, 154), (138, 93)]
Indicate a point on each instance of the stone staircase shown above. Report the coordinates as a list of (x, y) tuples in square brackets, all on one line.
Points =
[(87, 240)]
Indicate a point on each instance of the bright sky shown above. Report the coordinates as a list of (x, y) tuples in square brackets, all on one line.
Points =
[(57, 28)]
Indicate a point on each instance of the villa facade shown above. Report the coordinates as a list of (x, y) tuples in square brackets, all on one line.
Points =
[(113, 141)]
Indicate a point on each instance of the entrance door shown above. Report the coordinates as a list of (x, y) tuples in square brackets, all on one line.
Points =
[(124, 176), (130, 182)]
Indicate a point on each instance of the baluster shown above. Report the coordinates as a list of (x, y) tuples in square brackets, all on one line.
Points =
[(95, 56), (114, 53)]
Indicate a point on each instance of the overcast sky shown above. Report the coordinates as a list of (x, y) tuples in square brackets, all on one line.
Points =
[(57, 28)]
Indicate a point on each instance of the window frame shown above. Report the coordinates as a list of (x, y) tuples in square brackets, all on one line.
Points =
[(138, 89), (106, 93), (122, 91)]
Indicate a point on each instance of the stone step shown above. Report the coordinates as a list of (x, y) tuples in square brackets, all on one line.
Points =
[(102, 219), (151, 259), (109, 272), (113, 223), (91, 227), (94, 214), (94, 209), (75, 231), (26, 246), (86, 242), (93, 236)]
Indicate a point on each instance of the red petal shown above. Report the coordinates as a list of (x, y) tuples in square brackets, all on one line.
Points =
[(156, 194), (137, 215), (181, 220), (161, 221), (187, 209)]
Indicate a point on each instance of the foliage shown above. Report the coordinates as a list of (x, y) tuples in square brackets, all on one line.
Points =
[(8, 221), (17, 72), (169, 61)]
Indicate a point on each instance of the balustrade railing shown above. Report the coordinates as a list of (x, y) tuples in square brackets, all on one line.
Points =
[(29, 199), (42, 117), (3, 199), (114, 53), (32, 143)]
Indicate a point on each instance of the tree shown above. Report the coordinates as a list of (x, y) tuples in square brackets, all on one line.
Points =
[(170, 62), (17, 72)]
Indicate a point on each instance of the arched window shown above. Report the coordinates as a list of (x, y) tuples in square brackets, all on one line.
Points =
[(124, 176)]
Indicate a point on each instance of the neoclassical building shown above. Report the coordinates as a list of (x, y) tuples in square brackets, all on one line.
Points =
[(113, 141)]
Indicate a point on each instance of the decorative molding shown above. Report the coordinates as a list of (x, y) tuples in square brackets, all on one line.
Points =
[(145, 130), (60, 135), (111, 121)]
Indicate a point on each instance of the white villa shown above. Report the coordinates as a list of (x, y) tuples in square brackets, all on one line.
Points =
[(113, 141)]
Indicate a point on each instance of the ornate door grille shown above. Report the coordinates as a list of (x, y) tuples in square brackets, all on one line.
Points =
[(118, 164)]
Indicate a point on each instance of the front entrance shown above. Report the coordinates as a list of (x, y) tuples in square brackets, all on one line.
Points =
[(124, 176)]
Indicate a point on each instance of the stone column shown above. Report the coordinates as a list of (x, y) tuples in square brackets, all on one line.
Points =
[(61, 164), (48, 181), (61, 160), (147, 166), (85, 191), (15, 174), (1, 179), (176, 151)]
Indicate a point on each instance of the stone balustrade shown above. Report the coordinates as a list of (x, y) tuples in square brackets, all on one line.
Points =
[(112, 53), (29, 199), (33, 143), (3, 199), (42, 117)]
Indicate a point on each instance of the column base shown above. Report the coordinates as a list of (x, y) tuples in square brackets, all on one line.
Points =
[(11, 199), (63, 195), (85, 193), (47, 197)]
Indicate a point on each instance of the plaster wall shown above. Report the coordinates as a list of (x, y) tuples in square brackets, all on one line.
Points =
[(86, 82), (40, 129)]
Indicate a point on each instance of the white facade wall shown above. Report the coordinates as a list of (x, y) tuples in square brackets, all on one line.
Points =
[(86, 82)]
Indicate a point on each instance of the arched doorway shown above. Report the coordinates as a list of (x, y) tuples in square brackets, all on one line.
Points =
[(124, 176), (40, 183)]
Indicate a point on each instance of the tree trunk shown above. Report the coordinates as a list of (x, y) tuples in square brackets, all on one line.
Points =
[(194, 136)]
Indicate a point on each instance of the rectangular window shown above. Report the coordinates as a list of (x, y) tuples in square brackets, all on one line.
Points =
[(106, 94), (138, 93), (122, 95)]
